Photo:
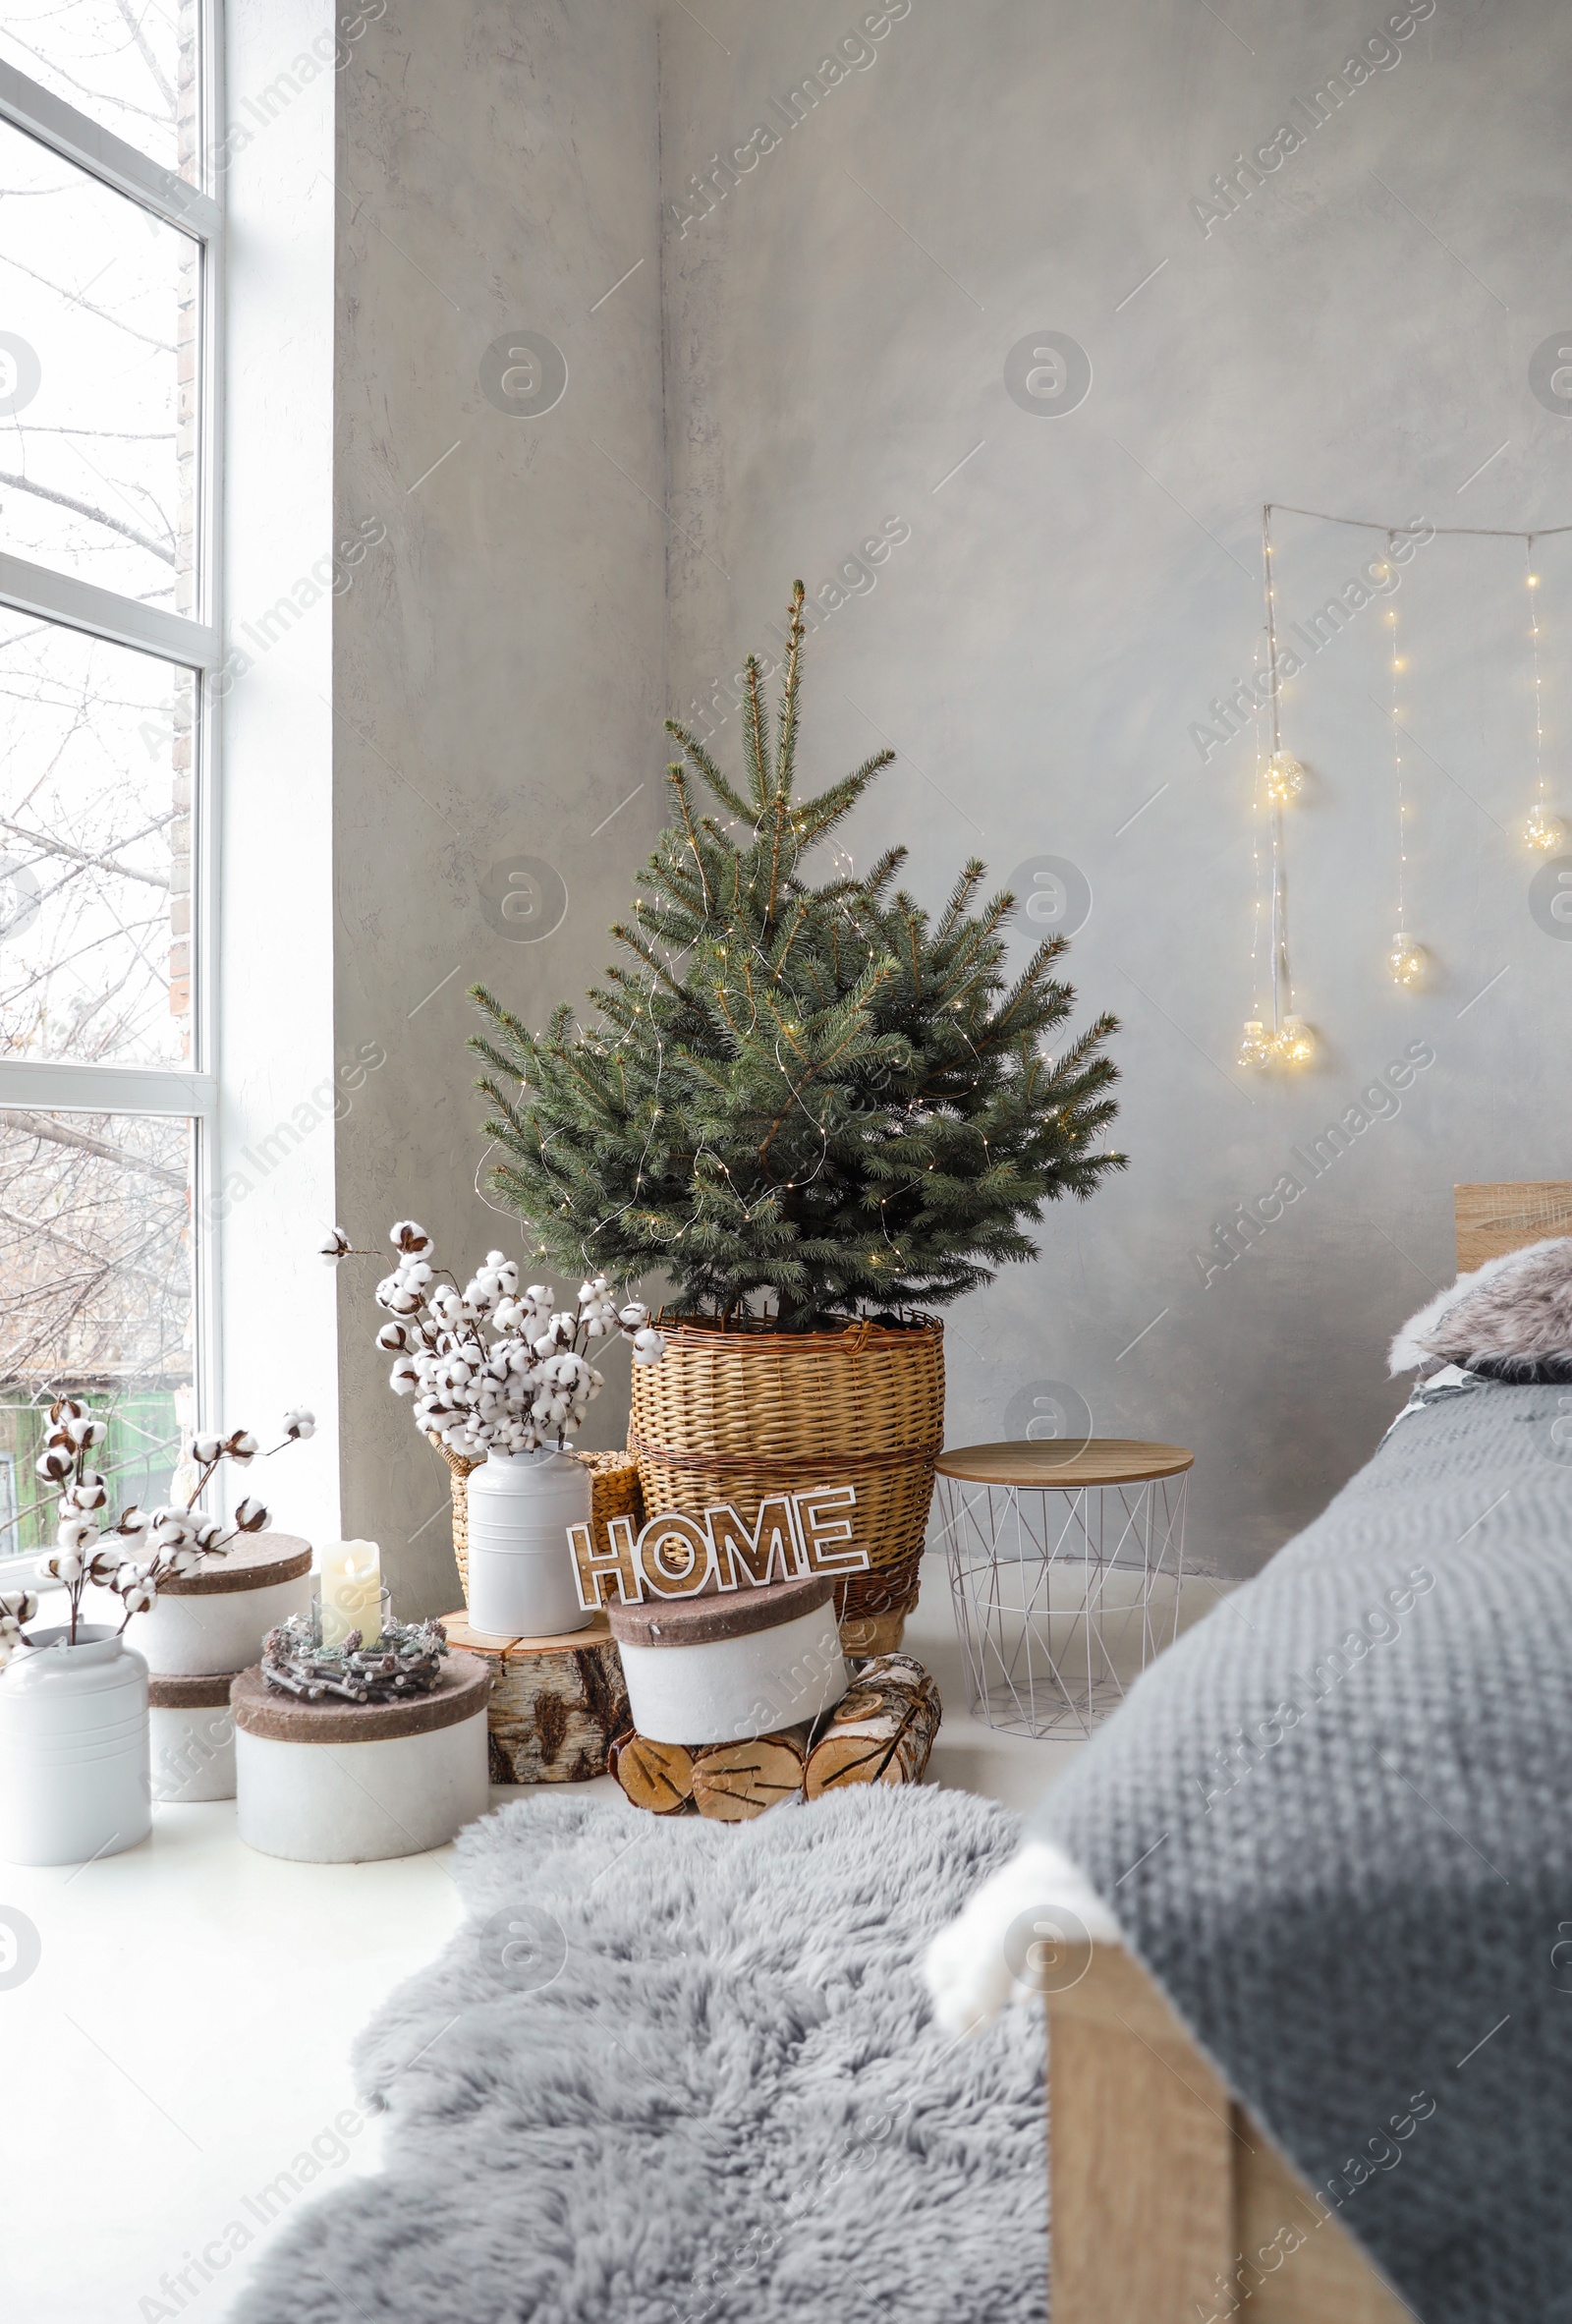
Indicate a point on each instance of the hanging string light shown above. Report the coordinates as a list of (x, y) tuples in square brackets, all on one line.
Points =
[(1277, 1036), (1284, 776), (1541, 830), (1405, 956), (1256, 1043), (1288, 1039)]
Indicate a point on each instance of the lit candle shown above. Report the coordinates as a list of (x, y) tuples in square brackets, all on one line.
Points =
[(351, 1591)]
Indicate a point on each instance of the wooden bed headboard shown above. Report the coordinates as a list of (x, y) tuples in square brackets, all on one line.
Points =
[(1500, 1217)]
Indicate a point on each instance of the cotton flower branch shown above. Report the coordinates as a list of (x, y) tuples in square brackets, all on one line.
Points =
[(140, 1551), (491, 1366)]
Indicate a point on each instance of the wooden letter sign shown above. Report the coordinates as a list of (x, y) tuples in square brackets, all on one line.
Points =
[(793, 1534)]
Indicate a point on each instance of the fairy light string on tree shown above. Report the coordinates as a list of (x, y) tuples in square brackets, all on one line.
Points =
[(856, 1107)]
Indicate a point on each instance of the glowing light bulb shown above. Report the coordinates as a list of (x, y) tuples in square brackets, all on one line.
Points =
[(1405, 959), (1256, 1046), (1285, 777), (1296, 1043)]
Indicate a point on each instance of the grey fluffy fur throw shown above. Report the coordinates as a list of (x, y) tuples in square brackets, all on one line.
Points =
[(1333, 1821), (683, 2071), (1511, 1313)]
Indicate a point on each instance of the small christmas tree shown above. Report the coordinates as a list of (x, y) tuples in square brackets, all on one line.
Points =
[(808, 1101)]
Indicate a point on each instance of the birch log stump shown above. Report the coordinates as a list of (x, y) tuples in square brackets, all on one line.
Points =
[(881, 1731), (556, 1703), (733, 1782), (658, 1776)]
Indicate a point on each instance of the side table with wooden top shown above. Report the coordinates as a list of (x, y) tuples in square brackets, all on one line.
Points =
[(1065, 1562)]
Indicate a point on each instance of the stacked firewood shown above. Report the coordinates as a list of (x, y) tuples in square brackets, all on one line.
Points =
[(881, 1731)]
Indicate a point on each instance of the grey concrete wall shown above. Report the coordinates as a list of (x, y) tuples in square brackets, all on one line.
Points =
[(1356, 336), (498, 656), (815, 359)]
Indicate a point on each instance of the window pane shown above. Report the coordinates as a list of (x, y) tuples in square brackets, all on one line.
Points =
[(98, 398), (133, 69), (95, 849), (96, 1298)]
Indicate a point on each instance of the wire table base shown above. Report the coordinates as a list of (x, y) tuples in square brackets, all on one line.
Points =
[(1062, 1593)]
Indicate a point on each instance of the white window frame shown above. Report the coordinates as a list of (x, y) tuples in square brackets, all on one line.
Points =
[(55, 1085)]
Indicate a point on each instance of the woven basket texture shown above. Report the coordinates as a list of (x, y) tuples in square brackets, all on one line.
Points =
[(738, 1414)]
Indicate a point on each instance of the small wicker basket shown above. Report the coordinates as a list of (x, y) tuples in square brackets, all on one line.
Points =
[(614, 1493), (735, 1413)]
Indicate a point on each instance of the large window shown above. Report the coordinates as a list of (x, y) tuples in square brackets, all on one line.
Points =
[(110, 300)]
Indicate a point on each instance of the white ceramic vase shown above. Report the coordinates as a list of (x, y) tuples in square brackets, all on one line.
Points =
[(520, 1565), (74, 1758)]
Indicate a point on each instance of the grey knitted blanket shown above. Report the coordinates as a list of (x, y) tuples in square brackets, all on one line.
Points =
[(1335, 1824)]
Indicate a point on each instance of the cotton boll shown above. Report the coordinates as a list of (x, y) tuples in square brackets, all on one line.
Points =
[(251, 1516), (61, 1565), (140, 1597), (204, 1448), (406, 1234), (634, 1314), (404, 1379), (54, 1464), (208, 1533), (242, 1447), (300, 1424), (391, 1338), (76, 1533)]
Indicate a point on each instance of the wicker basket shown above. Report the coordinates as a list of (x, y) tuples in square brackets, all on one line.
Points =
[(735, 1414), (613, 1490)]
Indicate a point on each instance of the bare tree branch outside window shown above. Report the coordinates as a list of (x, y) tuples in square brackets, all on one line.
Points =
[(99, 330)]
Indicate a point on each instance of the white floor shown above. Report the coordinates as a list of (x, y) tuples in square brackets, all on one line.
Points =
[(174, 2079)]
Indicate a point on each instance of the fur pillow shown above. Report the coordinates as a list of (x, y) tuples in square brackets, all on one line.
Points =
[(1509, 1316)]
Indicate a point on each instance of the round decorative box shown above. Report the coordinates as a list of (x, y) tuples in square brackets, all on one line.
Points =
[(715, 1669), (215, 1621), (335, 1782), (192, 1738), (74, 1781)]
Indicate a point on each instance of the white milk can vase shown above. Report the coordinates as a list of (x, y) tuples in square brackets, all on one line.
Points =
[(520, 1565), (74, 1760)]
